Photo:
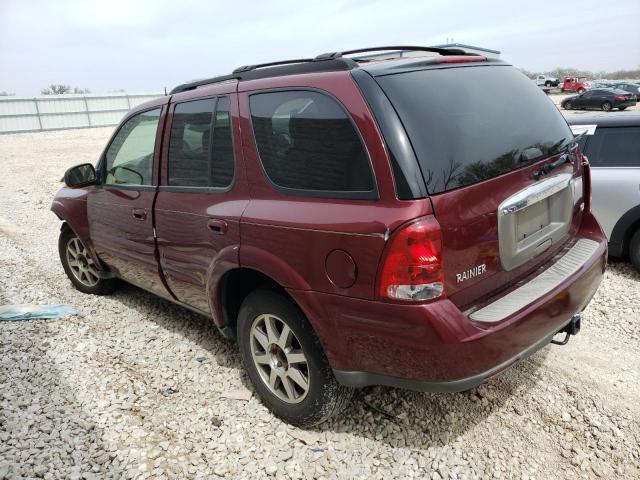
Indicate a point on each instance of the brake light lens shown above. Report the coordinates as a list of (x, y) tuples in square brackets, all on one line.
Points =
[(412, 264), (619, 97), (460, 59)]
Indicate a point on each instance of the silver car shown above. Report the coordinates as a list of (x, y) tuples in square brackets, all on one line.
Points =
[(612, 144)]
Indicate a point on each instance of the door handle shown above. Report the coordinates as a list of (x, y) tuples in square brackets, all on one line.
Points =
[(139, 213), (219, 227)]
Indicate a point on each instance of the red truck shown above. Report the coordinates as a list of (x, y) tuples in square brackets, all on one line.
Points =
[(575, 84), (350, 223)]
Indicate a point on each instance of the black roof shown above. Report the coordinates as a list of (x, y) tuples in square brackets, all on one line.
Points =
[(326, 62), (605, 119)]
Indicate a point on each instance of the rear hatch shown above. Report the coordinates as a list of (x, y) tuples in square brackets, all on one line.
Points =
[(481, 133)]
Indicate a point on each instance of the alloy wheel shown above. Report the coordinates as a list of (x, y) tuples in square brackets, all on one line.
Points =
[(606, 106), (80, 263), (279, 358)]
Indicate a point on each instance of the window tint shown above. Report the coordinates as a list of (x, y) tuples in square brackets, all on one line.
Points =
[(468, 124), (189, 143), (221, 172), (307, 142), (200, 147), (129, 158), (615, 147)]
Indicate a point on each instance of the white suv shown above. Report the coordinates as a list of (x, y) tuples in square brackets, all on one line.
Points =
[(612, 144)]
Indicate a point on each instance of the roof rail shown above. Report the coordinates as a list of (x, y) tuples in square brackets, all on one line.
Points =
[(248, 68), (198, 83), (285, 67), (326, 62), (441, 51)]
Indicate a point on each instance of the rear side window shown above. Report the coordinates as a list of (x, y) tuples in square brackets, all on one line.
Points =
[(308, 145), (200, 146), (614, 147), (468, 124)]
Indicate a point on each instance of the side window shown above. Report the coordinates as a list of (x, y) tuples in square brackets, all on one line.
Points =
[(200, 145), (615, 147), (189, 143), (222, 164), (129, 158), (306, 142)]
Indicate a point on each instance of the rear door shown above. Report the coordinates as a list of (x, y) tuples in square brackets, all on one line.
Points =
[(202, 195), (481, 134), (120, 207)]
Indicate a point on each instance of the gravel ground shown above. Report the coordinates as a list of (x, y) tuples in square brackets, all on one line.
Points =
[(136, 387)]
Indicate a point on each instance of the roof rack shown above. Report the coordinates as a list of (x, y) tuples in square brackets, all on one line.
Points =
[(326, 62), (441, 51), (275, 69), (247, 68)]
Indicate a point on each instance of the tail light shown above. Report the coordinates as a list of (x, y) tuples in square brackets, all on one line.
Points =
[(619, 97), (411, 267), (460, 59)]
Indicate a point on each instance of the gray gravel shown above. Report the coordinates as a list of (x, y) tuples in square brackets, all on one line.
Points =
[(135, 387)]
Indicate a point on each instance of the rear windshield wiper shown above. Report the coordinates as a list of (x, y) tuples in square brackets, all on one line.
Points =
[(565, 157)]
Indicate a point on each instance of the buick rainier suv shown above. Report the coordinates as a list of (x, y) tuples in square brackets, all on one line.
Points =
[(420, 222)]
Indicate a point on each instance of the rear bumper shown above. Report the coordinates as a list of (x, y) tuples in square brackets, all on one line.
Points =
[(436, 347)]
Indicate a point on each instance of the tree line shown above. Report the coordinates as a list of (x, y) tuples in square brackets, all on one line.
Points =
[(561, 72)]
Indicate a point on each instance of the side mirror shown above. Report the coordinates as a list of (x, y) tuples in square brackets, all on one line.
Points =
[(80, 175)]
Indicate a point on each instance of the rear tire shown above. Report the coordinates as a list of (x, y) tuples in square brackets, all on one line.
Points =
[(79, 266), (606, 106), (634, 250), (285, 361), (581, 90)]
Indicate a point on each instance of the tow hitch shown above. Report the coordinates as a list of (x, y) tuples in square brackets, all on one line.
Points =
[(571, 328)]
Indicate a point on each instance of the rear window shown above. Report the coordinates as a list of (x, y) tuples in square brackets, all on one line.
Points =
[(614, 147), (468, 124)]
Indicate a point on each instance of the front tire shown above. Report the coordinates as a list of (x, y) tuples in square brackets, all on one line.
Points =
[(567, 105), (622, 108), (285, 361), (634, 250), (606, 106), (79, 266)]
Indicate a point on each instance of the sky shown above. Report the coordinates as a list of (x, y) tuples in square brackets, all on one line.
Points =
[(144, 46)]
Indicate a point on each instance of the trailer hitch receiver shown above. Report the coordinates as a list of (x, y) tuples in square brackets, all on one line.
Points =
[(571, 328)]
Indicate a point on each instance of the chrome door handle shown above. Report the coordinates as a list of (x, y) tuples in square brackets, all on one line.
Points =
[(219, 227)]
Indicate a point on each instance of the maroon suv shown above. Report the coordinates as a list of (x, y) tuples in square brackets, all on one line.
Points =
[(417, 222)]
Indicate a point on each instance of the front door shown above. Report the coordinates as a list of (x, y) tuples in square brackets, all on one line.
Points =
[(120, 208), (201, 198)]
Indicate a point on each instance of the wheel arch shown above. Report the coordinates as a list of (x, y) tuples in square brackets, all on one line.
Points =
[(74, 217), (236, 284), (621, 234)]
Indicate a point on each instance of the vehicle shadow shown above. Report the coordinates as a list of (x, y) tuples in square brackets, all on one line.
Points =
[(394, 416)]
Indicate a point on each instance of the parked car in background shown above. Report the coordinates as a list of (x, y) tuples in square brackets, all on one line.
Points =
[(604, 99), (543, 80), (575, 84), (612, 145), (305, 209), (633, 88)]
